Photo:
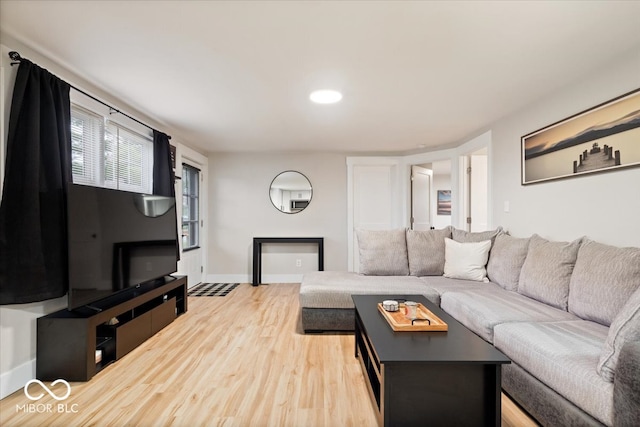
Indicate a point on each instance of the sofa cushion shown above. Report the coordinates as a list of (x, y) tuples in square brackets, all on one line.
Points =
[(383, 252), (505, 260), (426, 251), (472, 237), (443, 284), (562, 355), (625, 327), (466, 260), (546, 271), (482, 309), (603, 280), (333, 289)]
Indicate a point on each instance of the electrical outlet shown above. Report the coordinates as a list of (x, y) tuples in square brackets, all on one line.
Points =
[(298, 262)]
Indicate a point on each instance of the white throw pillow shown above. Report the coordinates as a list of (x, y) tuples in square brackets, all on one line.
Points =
[(466, 261)]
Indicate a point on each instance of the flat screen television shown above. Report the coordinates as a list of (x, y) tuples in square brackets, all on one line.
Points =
[(117, 240)]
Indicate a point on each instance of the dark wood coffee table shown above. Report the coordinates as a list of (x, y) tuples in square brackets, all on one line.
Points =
[(427, 378)]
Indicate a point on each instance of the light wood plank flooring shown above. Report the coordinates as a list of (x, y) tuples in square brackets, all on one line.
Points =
[(241, 360)]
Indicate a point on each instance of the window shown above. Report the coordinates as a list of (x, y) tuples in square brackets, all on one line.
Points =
[(86, 134), (190, 211), (107, 154)]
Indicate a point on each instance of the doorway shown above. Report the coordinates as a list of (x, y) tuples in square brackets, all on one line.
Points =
[(431, 195), (191, 223), (420, 198), (191, 197), (475, 186)]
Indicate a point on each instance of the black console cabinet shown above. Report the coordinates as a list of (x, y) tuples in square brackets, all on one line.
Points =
[(68, 342)]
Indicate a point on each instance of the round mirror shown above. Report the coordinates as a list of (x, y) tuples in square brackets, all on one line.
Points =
[(290, 192)]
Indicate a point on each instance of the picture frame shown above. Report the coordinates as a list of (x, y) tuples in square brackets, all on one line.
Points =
[(601, 139), (444, 202)]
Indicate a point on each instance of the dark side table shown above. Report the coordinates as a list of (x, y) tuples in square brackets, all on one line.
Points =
[(257, 252)]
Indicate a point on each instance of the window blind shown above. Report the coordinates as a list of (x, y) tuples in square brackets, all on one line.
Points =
[(86, 135), (107, 154)]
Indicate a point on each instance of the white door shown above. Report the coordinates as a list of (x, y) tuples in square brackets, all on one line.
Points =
[(475, 187), (191, 195), (373, 201), (420, 198), (479, 186)]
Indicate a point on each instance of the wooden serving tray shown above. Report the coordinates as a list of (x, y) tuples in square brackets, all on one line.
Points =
[(399, 322)]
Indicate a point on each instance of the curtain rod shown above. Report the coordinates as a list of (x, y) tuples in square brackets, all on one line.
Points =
[(15, 56)]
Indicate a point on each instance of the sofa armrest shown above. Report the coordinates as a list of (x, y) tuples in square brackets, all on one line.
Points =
[(626, 386)]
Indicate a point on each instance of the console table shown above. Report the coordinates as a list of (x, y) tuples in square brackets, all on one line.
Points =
[(257, 252)]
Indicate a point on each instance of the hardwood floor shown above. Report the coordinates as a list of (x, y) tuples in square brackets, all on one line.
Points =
[(240, 360)]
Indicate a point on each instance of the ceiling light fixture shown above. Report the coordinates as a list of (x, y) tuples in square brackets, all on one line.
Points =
[(325, 96)]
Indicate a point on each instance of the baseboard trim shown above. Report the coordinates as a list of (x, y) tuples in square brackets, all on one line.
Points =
[(228, 278), (245, 278), (16, 378), (282, 278)]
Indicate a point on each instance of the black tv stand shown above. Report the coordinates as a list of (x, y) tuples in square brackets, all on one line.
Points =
[(77, 344), (96, 309)]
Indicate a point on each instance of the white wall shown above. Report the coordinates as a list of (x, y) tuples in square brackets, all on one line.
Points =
[(604, 207), (240, 209)]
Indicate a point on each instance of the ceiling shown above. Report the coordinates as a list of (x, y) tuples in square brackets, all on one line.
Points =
[(235, 76)]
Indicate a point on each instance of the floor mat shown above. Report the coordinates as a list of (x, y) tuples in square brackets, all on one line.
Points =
[(212, 289)]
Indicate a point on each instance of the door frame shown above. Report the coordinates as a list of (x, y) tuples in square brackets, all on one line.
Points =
[(424, 158), (458, 175), (465, 151), (411, 204), (193, 158), (396, 211)]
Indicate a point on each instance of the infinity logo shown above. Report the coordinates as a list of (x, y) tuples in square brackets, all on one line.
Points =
[(47, 389)]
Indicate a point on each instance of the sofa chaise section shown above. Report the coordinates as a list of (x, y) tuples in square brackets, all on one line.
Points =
[(325, 296)]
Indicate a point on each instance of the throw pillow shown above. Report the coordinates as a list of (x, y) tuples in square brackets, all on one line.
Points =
[(546, 271), (466, 260), (625, 327), (426, 251), (603, 280), (383, 252), (468, 237), (505, 260)]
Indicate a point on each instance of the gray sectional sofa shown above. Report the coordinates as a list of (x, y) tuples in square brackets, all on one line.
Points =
[(566, 313)]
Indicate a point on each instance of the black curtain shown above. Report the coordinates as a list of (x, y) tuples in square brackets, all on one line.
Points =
[(162, 170), (163, 177), (33, 250)]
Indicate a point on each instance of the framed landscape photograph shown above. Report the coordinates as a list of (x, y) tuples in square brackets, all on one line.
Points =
[(444, 202), (603, 138)]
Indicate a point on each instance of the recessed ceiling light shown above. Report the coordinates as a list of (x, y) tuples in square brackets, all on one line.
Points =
[(325, 96)]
